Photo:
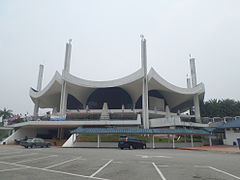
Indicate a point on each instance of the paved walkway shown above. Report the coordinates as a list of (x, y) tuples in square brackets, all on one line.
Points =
[(213, 148)]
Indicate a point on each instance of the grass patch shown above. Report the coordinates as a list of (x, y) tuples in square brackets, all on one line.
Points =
[(147, 138)]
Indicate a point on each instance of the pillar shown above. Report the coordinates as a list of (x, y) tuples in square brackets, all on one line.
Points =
[(168, 113), (153, 141), (193, 72), (185, 138), (145, 84), (39, 87), (192, 140), (98, 141), (173, 141), (197, 108), (194, 84), (210, 141), (188, 83), (64, 94)]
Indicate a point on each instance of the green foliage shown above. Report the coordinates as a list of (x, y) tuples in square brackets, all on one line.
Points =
[(3, 133), (220, 108), (5, 113)]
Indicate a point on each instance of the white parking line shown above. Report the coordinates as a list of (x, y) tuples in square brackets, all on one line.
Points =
[(147, 156), (159, 172), (17, 155), (224, 172), (53, 171), (12, 169), (61, 163), (36, 159), (100, 169), (218, 170)]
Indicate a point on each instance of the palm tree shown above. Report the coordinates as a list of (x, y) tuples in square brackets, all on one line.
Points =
[(6, 113)]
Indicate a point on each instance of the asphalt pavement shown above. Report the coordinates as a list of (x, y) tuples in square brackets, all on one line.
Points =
[(55, 163)]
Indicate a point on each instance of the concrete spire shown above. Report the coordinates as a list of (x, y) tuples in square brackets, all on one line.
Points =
[(39, 87), (145, 84), (194, 84), (64, 94), (188, 82), (68, 56), (193, 72)]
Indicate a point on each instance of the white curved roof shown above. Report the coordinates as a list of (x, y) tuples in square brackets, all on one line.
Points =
[(176, 97), (102, 84), (165, 85)]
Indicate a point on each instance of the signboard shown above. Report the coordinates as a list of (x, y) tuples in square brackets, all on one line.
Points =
[(58, 118)]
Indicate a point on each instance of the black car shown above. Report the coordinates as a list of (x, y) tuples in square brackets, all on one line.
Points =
[(131, 142), (35, 142), (19, 140)]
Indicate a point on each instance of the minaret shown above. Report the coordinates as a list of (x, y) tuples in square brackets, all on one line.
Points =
[(194, 84), (145, 114), (188, 82), (39, 87), (64, 94), (193, 72)]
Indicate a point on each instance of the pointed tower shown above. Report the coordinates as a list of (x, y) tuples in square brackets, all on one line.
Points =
[(64, 93), (39, 87), (145, 114)]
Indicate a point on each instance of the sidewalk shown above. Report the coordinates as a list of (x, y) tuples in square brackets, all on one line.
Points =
[(213, 148)]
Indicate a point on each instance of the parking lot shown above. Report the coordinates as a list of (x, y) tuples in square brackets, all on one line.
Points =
[(54, 163)]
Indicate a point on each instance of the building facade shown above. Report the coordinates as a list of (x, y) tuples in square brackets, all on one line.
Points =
[(140, 100)]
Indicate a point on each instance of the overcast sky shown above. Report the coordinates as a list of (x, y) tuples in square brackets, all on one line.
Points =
[(106, 42)]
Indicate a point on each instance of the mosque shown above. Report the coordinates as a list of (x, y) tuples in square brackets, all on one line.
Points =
[(141, 100)]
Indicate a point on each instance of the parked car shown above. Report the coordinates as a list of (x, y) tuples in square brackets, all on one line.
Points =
[(19, 140), (131, 142), (35, 142)]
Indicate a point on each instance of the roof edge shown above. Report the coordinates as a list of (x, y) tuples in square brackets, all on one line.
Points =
[(199, 89), (103, 84), (36, 94)]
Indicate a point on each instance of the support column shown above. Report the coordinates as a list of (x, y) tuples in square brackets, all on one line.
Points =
[(197, 108), (168, 138), (192, 140), (185, 138), (98, 141), (64, 94), (210, 141), (39, 87), (194, 84), (153, 142), (145, 84), (173, 141), (193, 72)]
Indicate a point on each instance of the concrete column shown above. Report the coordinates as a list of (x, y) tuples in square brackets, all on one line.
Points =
[(210, 141), (192, 140), (68, 56), (193, 72), (98, 141), (168, 113), (168, 138), (153, 142), (64, 94), (39, 87), (145, 84), (63, 102), (185, 138), (173, 141), (188, 83), (197, 108)]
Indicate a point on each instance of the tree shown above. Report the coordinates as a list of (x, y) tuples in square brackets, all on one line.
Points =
[(6, 113), (220, 108)]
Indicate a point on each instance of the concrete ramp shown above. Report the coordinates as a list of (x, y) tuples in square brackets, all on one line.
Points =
[(20, 133)]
